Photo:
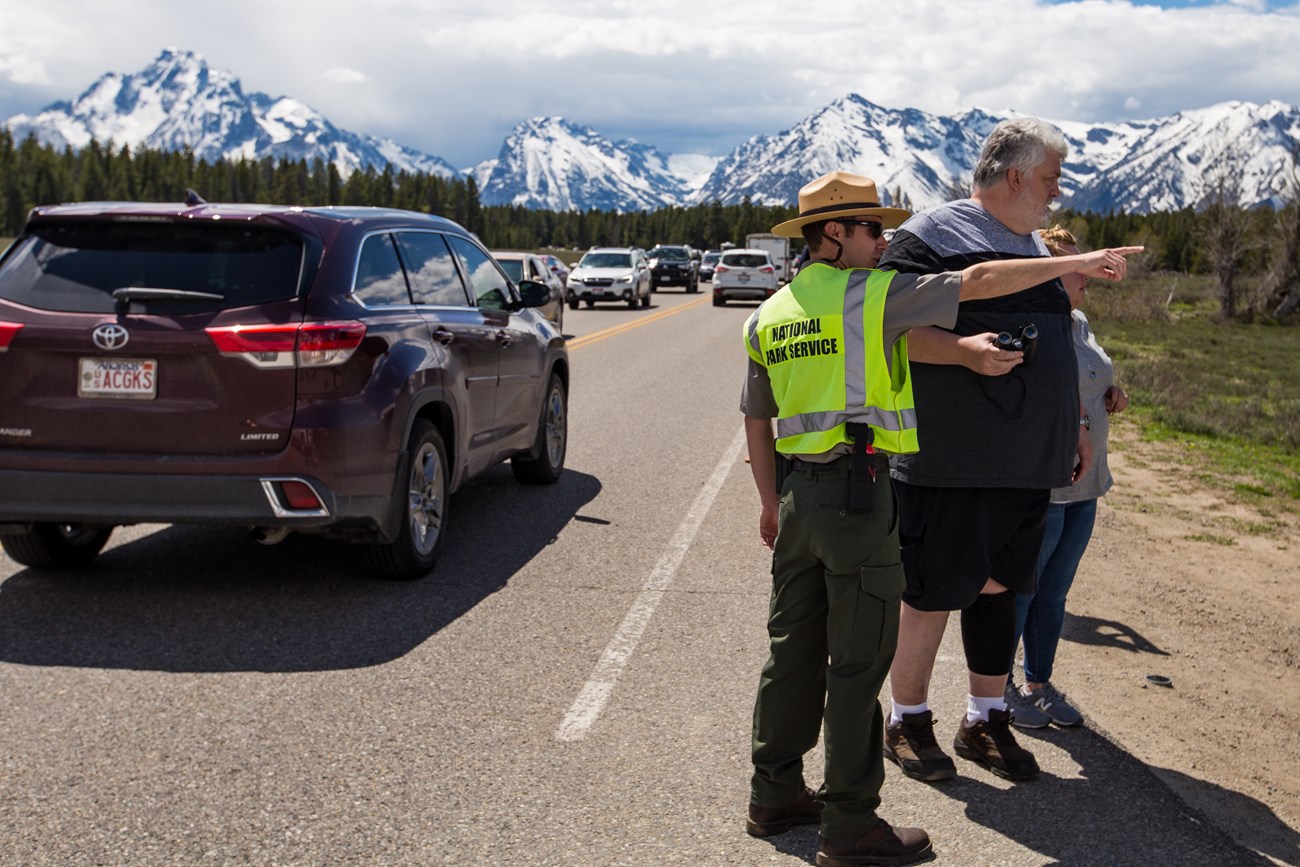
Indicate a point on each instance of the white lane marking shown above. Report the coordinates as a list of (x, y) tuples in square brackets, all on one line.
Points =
[(591, 700)]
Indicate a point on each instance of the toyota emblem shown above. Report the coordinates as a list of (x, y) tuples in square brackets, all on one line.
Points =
[(110, 336)]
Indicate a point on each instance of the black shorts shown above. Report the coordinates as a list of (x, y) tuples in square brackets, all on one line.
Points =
[(955, 539)]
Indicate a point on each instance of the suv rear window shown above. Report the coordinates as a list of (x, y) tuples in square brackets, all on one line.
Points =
[(745, 260), (74, 267)]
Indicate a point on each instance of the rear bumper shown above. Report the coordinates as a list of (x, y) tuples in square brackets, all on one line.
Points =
[(747, 293), (126, 498)]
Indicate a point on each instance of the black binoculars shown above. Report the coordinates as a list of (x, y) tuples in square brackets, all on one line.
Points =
[(1025, 342)]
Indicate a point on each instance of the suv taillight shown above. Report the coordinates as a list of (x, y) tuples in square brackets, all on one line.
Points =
[(767, 269), (720, 268), (8, 330), (311, 344)]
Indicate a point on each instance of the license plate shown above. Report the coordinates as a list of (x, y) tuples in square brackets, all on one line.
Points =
[(130, 378), (743, 278)]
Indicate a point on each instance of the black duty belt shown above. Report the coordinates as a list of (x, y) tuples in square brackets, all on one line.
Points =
[(840, 463), (843, 462)]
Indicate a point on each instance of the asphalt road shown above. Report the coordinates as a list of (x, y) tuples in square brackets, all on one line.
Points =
[(573, 685)]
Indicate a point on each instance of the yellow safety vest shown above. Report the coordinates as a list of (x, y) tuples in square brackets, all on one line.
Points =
[(821, 339)]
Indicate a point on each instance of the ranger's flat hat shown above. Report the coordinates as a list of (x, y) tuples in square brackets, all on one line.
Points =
[(839, 194)]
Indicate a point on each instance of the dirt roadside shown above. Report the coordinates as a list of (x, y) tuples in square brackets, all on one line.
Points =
[(1181, 581)]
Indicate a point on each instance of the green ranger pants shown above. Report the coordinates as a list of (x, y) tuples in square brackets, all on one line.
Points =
[(836, 582)]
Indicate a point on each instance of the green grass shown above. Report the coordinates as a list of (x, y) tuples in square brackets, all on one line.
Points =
[(1226, 541), (1226, 392)]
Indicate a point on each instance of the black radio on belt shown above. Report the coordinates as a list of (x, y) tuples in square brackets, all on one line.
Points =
[(862, 467)]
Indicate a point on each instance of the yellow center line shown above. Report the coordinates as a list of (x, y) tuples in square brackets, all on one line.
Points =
[(579, 342)]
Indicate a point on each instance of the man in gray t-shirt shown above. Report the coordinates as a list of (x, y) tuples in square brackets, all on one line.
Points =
[(999, 430)]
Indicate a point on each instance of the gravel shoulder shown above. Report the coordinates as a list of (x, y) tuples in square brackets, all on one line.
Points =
[(1182, 580)]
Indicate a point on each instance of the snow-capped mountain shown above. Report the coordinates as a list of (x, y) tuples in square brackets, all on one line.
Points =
[(551, 163), (907, 150), (1171, 162), (1141, 166), (179, 102)]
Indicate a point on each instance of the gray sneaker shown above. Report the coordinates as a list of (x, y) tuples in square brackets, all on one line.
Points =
[(1024, 713), (1052, 702)]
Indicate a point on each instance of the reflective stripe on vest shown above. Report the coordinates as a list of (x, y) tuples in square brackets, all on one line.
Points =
[(815, 337)]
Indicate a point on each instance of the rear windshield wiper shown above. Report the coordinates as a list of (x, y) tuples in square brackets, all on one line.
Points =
[(124, 296)]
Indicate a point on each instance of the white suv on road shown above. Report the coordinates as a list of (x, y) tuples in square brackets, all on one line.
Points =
[(743, 275), (610, 274)]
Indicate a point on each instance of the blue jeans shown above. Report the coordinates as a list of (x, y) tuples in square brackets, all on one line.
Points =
[(1040, 615)]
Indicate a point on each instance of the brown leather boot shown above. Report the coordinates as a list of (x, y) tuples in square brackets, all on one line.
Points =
[(881, 845), (911, 746), (992, 745), (766, 821)]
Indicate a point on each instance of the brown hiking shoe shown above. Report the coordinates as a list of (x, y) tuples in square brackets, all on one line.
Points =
[(766, 821), (992, 745), (881, 845), (911, 746)]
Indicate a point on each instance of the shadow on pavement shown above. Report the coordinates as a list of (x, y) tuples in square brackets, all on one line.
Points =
[(1097, 632), (1118, 813), (800, 842), (197, 599), (1254, 822)]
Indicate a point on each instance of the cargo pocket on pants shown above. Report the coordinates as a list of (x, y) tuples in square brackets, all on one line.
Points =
[(879, 591)]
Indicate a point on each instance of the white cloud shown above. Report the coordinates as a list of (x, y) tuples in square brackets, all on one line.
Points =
[(343, 75), (452, 79), (21, 68)]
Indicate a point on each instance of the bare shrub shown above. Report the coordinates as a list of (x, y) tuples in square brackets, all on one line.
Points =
[(1282, 282), (1227, 233)]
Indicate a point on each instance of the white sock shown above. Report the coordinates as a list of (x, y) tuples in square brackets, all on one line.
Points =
[(977, 708), (897, 711)]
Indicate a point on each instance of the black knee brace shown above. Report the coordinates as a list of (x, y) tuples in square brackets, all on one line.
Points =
[(988, 632)]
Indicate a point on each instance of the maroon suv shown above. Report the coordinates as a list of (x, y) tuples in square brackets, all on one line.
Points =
[(338, 371)]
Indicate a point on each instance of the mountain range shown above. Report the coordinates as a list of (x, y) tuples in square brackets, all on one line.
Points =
[(920, 158)]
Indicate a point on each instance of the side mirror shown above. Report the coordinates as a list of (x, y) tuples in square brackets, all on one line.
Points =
[(534, 294)]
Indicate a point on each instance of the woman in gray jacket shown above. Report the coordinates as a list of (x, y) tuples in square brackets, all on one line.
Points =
[(1070, 517)]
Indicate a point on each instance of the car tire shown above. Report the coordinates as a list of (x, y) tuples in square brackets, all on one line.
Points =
[(719, 301), (634, 302), (545, 463), (573, 303), (56, 546), (591, 304), (425, 498)]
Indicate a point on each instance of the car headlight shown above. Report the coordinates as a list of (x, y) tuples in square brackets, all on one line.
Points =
[(626, 278)]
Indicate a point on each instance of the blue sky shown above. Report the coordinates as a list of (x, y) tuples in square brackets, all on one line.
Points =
[(452, 78), (1184, 4)]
